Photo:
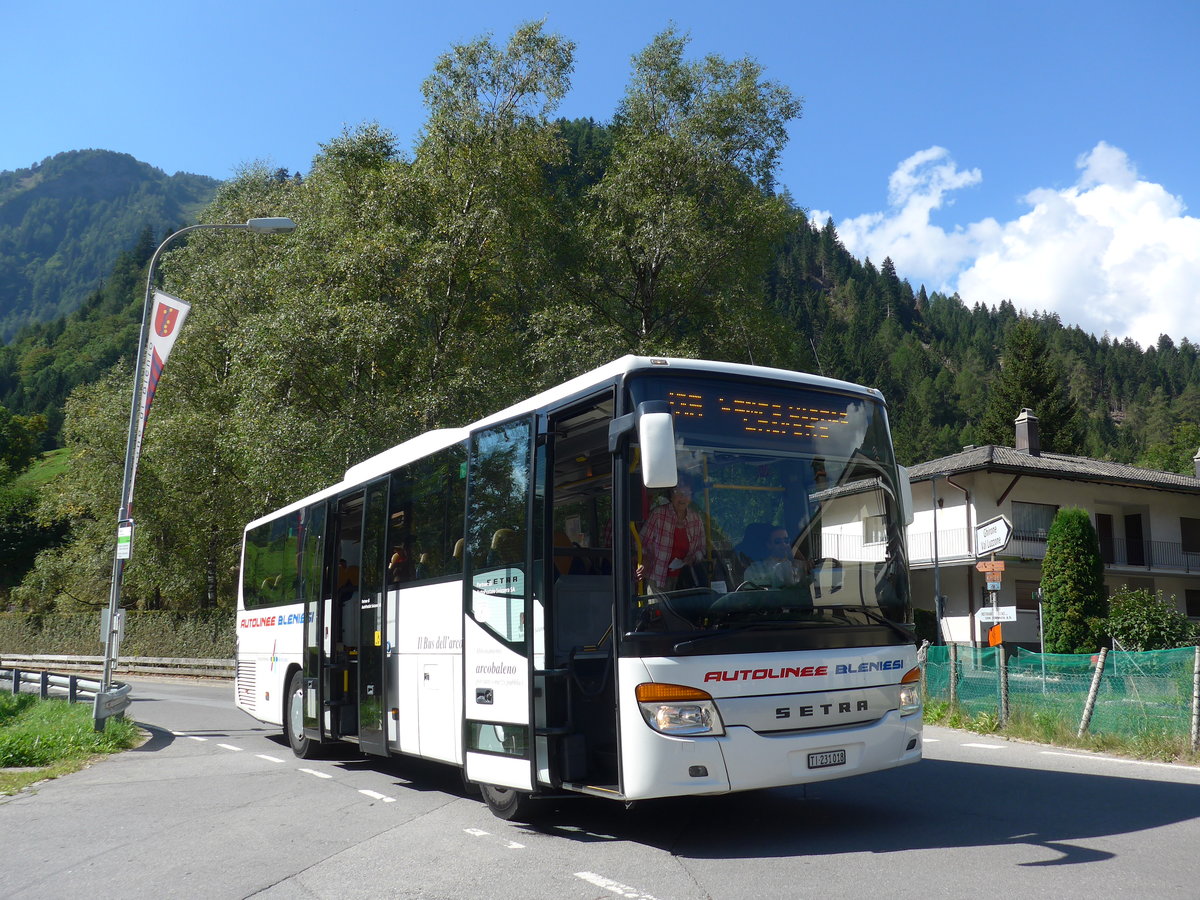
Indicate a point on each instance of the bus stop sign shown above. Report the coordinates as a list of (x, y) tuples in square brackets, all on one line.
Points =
[(992, 536)]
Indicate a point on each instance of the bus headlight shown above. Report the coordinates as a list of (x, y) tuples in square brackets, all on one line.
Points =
[(676, 709), (910, 692)]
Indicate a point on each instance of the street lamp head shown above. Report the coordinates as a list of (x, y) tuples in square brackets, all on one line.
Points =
[(271, 225)]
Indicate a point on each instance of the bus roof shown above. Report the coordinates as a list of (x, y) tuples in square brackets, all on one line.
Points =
[(432, 441)]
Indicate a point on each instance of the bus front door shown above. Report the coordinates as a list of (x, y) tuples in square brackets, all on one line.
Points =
[(498, 616)]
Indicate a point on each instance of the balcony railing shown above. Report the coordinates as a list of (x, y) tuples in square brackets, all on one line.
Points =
[(1168, 555)]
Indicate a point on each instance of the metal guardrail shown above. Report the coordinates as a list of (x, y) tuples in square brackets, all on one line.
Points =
[(48, 684), (74, 689), (134, 665)]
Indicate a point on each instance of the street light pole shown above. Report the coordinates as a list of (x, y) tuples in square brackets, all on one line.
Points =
[(270, 225)]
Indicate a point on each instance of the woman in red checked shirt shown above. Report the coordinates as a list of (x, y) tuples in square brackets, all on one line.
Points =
[(672, 539)]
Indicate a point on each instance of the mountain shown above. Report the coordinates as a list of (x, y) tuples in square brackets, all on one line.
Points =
[(64, 221)]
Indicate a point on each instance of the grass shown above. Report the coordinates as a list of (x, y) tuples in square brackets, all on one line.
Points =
[(44, 470), (1044, 727), (48, 738)]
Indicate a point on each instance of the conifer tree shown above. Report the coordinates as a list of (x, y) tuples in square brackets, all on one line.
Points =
[(1030, 378)]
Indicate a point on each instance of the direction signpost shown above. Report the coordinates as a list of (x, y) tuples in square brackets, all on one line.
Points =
[(991, 537)]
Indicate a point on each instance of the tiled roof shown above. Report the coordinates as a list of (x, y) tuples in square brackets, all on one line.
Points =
[(993, 458)]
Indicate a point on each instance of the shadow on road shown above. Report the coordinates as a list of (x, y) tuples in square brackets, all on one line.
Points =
[(937, 805)]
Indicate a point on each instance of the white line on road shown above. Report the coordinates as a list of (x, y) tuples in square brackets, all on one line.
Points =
[(513, 845), (318, 774), (231, 747), (615, 887), (194, 738), (987, 746), (931, 740), (375, 795), (268, 758), (476, 832), (1112, 759)]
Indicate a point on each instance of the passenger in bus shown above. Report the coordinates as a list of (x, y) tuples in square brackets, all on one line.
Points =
[(753, 546), (399, 567), (347, 580), (672, 543), (507, 548), (784, 566)]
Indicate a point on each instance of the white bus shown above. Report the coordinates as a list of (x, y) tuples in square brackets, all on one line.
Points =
[(473, 595)]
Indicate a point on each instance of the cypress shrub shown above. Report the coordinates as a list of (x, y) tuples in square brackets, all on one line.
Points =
[(1073, 597)]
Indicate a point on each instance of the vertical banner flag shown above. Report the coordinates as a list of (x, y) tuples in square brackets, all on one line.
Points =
[(166, 319)]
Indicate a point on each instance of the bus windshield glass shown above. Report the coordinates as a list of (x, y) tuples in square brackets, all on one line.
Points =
[(788, 511)]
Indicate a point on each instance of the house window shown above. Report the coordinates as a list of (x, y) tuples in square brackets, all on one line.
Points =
[(1031, 521), (1189, 531), (1026, 594), (1192, 599), (874, 529)]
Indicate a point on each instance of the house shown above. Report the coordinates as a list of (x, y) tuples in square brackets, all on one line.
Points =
[(1148, 523)]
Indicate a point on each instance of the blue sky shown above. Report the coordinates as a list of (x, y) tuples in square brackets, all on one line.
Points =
[(1042, 152)]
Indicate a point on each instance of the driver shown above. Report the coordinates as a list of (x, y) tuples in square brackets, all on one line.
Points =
[(782, 567)]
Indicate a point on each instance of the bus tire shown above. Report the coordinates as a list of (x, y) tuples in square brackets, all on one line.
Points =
[(507, 803), (293, 718)]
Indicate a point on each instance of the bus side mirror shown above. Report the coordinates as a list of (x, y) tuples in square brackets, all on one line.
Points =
[(906, 501), (656, 437)]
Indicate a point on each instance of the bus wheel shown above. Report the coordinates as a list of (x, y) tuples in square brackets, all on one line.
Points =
[(294, 719), (507, 804)]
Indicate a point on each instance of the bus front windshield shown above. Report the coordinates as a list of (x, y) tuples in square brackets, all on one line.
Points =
[(787, 511)]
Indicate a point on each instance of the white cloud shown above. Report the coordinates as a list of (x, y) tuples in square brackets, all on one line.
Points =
[(1113, 252)]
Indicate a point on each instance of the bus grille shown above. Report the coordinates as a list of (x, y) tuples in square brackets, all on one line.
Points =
[(246, 685)]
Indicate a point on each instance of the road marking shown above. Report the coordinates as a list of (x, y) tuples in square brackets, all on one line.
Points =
[(318, 774), (1113, 759), (986, 746), (476, 832), (375, 795), (194, 738), (268, 758), (513, 845), (231, 747), (931, 740), (615, 887)]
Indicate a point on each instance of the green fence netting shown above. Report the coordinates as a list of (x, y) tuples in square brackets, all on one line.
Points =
[(1139, 694)]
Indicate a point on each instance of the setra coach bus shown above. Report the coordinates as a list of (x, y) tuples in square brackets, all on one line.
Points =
[(663, 578)]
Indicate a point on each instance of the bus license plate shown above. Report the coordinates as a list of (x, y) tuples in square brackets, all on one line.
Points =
[(828, 758)]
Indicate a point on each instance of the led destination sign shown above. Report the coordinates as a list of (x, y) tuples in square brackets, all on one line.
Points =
[(757, 416)]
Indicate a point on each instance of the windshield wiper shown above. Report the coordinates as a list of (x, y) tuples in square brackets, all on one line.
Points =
[(878, 617)]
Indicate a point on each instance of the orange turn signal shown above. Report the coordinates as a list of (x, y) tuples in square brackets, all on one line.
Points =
[(653, 692)]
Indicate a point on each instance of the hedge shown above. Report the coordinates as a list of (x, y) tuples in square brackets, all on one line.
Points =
[(205, 635)]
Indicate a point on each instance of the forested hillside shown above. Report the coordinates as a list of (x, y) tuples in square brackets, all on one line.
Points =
[(509, 251), (64, 220)]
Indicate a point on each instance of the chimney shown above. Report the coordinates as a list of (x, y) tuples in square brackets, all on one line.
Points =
[(1028, 440)]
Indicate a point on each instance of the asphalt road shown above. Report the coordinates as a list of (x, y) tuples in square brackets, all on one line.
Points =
[(215, 805)]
